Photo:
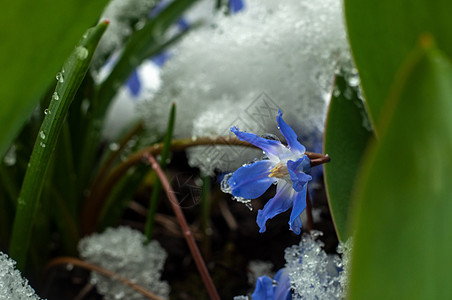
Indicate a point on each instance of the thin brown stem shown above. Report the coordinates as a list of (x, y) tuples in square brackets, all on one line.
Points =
[(110, 274), (321, 160), (200, 264)]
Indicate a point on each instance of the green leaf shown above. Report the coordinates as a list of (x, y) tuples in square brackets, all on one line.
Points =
[(347, 134), (382, 33), (36, 37), (73, 72), (403, 214)]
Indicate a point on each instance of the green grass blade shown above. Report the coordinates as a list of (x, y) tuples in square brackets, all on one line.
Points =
[(70, 78), (154, 201), (403, 212), (348, 131)]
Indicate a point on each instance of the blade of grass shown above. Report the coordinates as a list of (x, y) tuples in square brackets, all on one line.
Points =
[(154, 201), (70, 78)]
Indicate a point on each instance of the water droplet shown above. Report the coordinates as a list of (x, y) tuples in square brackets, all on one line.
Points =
[(59, 77), (55, 96), (42, 135), (81, 52), (43, 145), (224, 186), (47, 111), (336, 92), (249, 206), (114, 147), (10, 156), (140, 24), (85, 106), (348, 93), (69, 267), (354, 81)]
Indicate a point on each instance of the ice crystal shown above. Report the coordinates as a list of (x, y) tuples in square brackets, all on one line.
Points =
[(121, 250), (12, 285), (287, 50), (241, 297), (315, 274)]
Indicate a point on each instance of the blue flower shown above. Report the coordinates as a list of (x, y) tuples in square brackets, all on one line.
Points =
[(286, 166), (276, 289)]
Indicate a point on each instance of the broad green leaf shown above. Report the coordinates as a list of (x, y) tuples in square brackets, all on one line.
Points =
[(73, 72), (347, 134), (383, 32), (36, 37), (403, 213)]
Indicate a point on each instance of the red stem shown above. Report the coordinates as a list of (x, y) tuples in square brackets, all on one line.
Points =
[(200, 264)]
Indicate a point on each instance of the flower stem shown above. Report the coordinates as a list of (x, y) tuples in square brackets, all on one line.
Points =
[(200, 264)]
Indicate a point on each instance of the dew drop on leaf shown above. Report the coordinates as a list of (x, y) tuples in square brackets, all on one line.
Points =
[(55, 96), (59, 77)]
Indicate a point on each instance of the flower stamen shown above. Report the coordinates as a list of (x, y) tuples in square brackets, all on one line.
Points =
[(279, 171)]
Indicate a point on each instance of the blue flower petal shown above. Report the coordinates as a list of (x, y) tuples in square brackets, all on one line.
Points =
[(161, 58), (236, 5), (134, 83), (299, 205), (281, 202), (183, 24), (290, 136), (251, 181), (297, 171), (282, 290), (271, 147), (264, 289)]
